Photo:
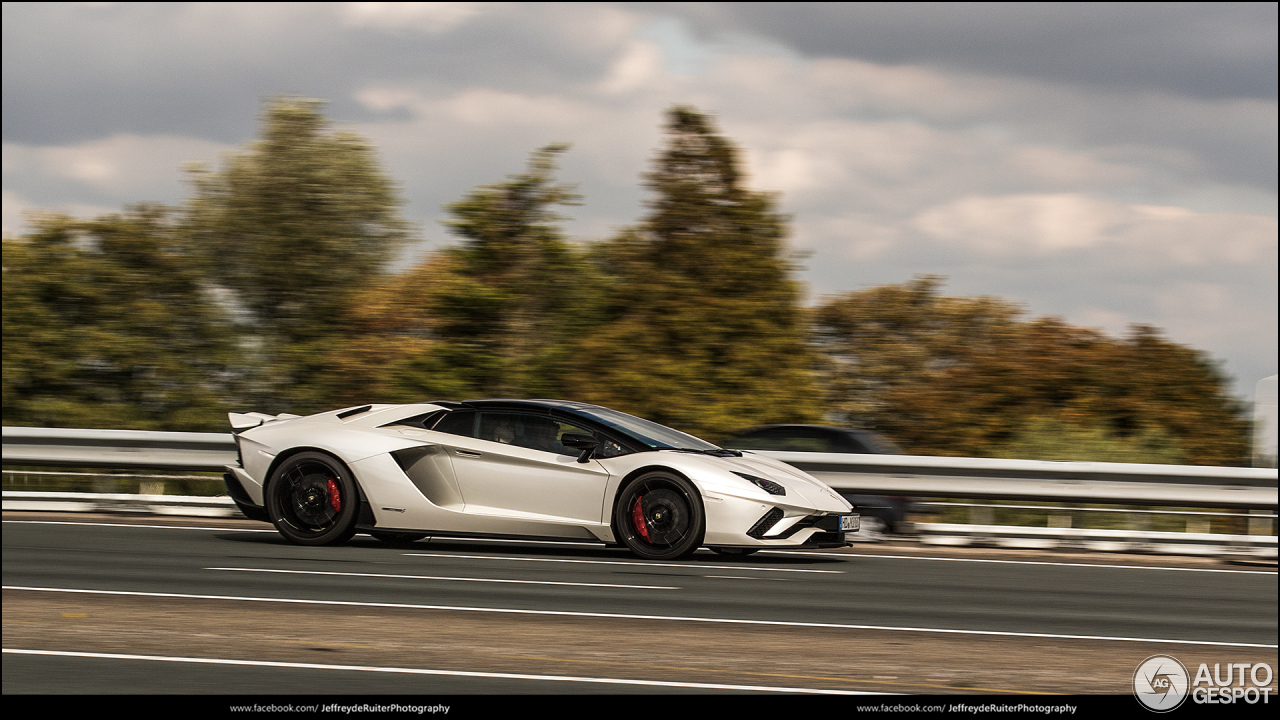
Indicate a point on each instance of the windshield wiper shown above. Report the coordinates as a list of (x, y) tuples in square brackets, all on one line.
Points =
[(714, 452)]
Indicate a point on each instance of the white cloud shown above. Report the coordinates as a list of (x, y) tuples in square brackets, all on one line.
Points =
[(18, 212), (639, 64), (125, 165), (429, 17), (1052, 224)]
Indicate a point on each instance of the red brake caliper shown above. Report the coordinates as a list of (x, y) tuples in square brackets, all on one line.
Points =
[(334, 498), (637, 519)]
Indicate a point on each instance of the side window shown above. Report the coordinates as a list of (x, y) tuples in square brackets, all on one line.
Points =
[(538, 432), (459, 422), (607, 448), (501, 428)]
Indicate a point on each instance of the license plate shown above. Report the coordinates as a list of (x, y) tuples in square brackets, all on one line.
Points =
[(849, 522)]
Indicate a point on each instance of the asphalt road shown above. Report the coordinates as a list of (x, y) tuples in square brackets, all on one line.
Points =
[(103, 605)]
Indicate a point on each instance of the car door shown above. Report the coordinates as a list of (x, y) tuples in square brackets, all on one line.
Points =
[(513, 465)]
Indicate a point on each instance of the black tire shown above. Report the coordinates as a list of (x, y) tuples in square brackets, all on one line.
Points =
[(659, 517), (312, 500), (392, 537), (735, 552)]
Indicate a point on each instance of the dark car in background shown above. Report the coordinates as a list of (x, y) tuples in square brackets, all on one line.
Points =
[(879, 513)]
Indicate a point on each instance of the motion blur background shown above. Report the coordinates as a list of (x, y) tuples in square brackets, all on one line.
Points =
[(1043, 231)]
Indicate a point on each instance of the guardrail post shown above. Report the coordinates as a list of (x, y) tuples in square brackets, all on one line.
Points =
[(1260, 525), (1139, 522), (1199, 524), (1064, 521), (981, 517)]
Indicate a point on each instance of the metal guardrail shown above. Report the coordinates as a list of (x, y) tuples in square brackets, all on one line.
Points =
[(1041, 480), (118, 449), (905, 475), (185, 505), (1098, 540)]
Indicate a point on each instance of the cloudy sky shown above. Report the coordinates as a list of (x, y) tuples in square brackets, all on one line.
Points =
[(1109, 164)]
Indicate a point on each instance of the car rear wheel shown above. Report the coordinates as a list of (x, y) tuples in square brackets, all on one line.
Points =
[(311, 499), (659, 517)]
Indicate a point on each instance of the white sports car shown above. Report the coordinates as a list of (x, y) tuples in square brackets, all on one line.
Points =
[(522, 469)]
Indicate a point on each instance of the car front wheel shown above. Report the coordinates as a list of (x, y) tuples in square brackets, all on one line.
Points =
[(659, 517), (311, 499)]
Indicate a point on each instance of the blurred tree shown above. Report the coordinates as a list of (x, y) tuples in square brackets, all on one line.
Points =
[(704, 330), (108, 324), (1054, 439), (495, 316), (967, 376), (294, 227)]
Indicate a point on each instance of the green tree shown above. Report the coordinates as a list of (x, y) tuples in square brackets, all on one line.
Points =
[(497, 315), (109, 324), (295, 226), (969, 376), (704, 329), (1053, 439)]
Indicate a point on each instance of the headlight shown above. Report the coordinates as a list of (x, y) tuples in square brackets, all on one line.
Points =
[(768, 486)]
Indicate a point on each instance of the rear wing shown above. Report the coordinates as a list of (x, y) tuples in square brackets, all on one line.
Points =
[(243, 421)]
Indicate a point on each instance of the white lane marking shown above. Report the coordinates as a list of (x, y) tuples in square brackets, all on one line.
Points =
[(686, 566), (453, 579), (424, 671), (133, 525), (624, 616), (851, 556)]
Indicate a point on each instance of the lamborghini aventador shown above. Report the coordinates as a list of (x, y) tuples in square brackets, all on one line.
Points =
[(522, 469)]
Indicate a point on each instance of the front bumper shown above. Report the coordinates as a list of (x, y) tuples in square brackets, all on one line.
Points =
[(742, 523)]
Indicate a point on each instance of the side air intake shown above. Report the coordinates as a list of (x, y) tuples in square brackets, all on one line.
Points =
[(762, 525)]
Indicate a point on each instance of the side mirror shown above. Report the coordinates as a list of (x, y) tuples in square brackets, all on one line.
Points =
[(580, 441)]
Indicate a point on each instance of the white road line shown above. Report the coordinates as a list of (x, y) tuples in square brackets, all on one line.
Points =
[(135, 525), (685, 566), (424, 671), (852, 556), (624, 616), (453, 579)]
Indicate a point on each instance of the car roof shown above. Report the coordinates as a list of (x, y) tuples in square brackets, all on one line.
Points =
[(529, 404)]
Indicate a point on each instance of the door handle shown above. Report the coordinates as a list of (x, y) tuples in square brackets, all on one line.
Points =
[(467, 453)]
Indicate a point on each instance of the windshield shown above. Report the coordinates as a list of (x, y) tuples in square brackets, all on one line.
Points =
[(653, 435)]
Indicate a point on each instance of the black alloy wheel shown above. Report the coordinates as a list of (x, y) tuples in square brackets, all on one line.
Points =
[(659, 517), (311, 499)]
